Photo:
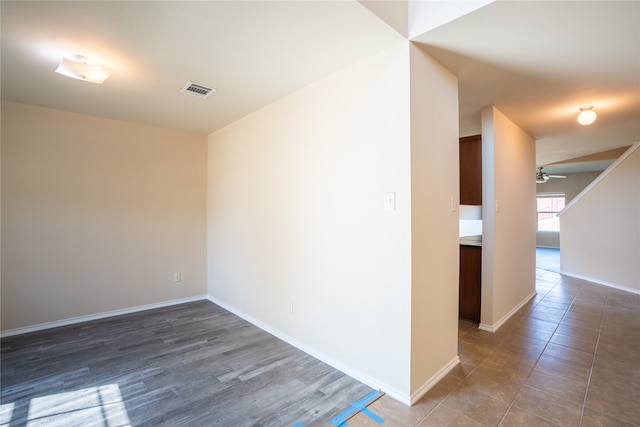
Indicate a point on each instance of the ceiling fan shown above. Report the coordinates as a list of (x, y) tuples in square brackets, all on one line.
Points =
[(542, 177)]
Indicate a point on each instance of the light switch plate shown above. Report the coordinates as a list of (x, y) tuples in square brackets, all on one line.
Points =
[(390, 201)]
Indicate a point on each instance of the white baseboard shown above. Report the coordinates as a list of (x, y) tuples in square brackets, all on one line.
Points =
[(348, 370), (600, 282), (392, 392), (514, 310), (103, 315), (434, 380)]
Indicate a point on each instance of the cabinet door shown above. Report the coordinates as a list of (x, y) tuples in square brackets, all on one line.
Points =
[(471, 170), (470, 282)]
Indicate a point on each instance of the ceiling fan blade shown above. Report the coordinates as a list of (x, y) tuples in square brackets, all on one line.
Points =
[(556, 176)]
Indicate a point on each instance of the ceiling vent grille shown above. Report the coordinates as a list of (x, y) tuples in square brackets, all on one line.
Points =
[(197, 90)]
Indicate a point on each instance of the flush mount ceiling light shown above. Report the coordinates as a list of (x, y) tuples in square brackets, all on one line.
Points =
[(587, 115), (82, 68)]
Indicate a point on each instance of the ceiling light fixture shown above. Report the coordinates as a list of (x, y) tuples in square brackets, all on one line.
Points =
[(587, 115), (82, 68)]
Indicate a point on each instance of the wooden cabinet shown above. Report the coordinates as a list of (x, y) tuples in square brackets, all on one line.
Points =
[(470, 282), (471, 170)]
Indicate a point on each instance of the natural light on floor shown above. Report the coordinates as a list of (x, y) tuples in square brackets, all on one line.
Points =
[(92, 406)]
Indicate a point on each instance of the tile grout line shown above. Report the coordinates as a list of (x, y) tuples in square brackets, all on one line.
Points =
[(583, 300), (538, 359), (441, 402), (593, 361), (454, 388), (530, 370)]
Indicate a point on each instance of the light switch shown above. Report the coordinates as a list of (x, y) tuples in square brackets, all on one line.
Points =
[(390, 201)]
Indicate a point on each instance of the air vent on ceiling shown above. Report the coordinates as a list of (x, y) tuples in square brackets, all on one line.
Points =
[(197, 90)]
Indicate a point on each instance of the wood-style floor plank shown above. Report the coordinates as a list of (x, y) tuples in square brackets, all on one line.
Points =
[(191, 364)]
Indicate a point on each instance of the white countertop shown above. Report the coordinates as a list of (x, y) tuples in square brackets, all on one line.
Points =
[(471, 240)]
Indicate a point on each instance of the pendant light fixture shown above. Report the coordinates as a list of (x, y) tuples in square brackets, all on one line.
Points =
[(587, 115)]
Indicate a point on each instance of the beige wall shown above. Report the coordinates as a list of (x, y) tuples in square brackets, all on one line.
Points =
[(548, 239), (609, 252), (296, 212), (509, 218), (434, 222), (97, 214), (571, 186)]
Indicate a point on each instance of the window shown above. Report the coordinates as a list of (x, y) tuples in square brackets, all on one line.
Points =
[(549, 204)]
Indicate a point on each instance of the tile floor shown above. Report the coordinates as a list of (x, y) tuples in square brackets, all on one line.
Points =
[(571, 357)]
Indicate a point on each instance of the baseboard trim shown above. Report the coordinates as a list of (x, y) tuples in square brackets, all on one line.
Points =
[(600, 282), (514, 310), (331, 361), (431, 382), (97, 316)]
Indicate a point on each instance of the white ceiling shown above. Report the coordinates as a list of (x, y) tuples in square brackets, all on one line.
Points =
[(253, 53), (538, 61)]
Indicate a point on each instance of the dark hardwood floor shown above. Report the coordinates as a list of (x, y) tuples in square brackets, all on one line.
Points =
[(192, 364)]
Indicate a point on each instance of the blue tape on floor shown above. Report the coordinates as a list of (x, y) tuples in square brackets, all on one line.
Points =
[(359, 406), (298, 425), (367, 412)]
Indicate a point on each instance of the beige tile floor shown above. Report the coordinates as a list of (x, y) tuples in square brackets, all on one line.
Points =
[(571, 357)]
